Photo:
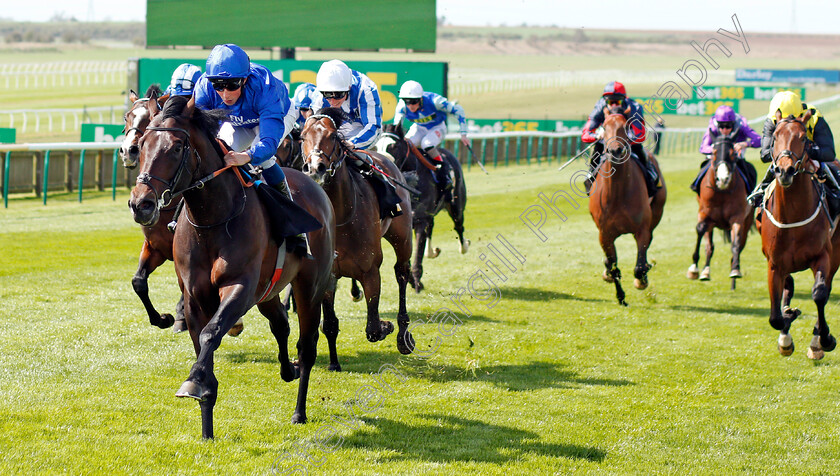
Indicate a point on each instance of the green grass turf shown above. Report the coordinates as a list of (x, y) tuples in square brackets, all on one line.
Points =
[(555, 378)]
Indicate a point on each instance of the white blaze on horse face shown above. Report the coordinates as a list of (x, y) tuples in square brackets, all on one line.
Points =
[(133, 134), (382, 147), (723, 176)]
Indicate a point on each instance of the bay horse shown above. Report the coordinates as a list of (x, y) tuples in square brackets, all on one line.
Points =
[(723, 204), (360, 230), (424, 207), (157, 239), (225, 256), (797, 234), (619, 202)]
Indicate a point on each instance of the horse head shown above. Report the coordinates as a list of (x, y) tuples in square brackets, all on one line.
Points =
[(170, 156), (789, 156), (392, 144), (322, 148), (136, 121), (723, 161), (616, 141)]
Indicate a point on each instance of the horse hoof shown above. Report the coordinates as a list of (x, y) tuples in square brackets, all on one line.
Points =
[(405, 344), (166, 321), (735, 273), (829, 343), (815, 353), (706, 274), (298, 419), (190, 389), (607, 277), (237, 328), (786, 344), (419, 287), (640, 284), (433, 253), (465, 245), (180, 325), (334, 367), (692, 273)]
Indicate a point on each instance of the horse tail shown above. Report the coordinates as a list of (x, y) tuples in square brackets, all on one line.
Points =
[(727, 235)]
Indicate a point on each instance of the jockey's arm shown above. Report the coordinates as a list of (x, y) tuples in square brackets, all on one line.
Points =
[(767, 141), (821, 148)]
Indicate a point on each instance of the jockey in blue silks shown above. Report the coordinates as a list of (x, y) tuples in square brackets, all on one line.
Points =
[(727, 123), (261, 113), (302, 102), (427, 111), (183, 81), (336, 85)]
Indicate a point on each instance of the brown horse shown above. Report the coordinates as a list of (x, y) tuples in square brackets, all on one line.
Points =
[(225, 256), (797, 234), (359, 230), (157, 243), (619, 202), (723, 204)]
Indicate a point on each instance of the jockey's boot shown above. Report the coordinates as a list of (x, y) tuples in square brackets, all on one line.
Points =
[(300, 242), (442, 170), (386, 192), (832, 189), (757, 196), (651, 176)]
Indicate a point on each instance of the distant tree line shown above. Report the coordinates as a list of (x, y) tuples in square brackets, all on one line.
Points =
[(71, 31)]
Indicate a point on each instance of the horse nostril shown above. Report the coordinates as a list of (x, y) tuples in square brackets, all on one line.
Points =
[(790, 170), (322, 168), (134, 150), (305, 168)]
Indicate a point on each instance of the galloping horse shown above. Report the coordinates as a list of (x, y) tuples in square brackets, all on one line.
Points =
[(425, 206), (359, 230), (796, 234), (157, 243), (226, 258), (723, 204), (619, 203)]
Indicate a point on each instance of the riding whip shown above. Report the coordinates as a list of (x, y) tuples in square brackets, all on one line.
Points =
[(575, 157), (476, 160), (369, 161)]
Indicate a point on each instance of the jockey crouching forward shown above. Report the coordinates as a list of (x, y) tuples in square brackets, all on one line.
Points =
[(259, 107), (615, 95), (727, 123), (338, 86), (819, 147), (427, 111)]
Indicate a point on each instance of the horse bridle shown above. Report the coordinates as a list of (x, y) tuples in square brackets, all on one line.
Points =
[(167, 194), (334, 166), (789, 153)]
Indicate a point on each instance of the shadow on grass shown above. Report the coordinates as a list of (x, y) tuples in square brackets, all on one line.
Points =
[(728, 309), (244, 356), (447, 438), (515, 378), (535, 294)]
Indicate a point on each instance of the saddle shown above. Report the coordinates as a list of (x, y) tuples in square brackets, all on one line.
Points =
[(386, 192)]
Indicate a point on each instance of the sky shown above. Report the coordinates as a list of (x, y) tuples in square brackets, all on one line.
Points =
[(781, 16)]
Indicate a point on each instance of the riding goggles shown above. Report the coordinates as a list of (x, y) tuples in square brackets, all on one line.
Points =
[(229, 84), (615, 99), (725, 125), (412, 101), (334, 94)]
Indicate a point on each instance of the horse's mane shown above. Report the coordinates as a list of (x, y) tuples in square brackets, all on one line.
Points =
[(207, 122), (394, 129), (337, 115), (154, 89)]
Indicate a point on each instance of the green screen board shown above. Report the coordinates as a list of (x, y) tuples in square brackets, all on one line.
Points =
[(316, 24), (7, 135), (689, 107), (102, 133), (389, 76), (514, 125), (759, 93)]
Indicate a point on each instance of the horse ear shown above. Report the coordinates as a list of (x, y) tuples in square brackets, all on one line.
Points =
[(400, 131), (606, 111), (628, 110), (778, 115), (132, 96), (189, 108), (806, 117), (154, 108), (162, 100)]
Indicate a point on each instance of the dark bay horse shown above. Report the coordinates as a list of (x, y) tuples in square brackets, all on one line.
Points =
[(359, 229), (429, 203), (225, 256), (157, 243), (723, 204), (797, 234), (619, 202)]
